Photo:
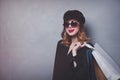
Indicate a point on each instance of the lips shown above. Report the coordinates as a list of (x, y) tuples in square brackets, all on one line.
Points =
[(71, 30)]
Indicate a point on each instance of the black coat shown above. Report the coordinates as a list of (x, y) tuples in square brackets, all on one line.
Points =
[(63, 66)]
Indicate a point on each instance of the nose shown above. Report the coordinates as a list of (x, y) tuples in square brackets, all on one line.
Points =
[(70, 26)]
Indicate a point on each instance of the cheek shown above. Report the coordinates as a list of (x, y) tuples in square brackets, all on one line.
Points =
[(77, 29), (66, 30)]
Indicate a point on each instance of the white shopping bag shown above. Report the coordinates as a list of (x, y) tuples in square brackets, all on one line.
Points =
[(110, 69)]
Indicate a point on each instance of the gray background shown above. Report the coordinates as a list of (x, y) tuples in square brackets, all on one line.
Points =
[(30, 29)]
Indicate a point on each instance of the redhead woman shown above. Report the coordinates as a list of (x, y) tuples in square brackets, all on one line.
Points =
[(73, 60)]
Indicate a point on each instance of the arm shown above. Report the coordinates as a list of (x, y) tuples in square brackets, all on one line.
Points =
[(56, 63)]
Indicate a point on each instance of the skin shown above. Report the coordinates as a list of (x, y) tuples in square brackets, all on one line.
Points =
[(73, 29)]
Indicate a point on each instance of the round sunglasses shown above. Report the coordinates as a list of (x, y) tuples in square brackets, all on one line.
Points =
[(72, 23)]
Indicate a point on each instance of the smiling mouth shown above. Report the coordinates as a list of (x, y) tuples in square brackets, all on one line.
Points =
[(71, 30)]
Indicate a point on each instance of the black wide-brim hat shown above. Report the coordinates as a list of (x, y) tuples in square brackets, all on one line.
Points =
[(74, 14)]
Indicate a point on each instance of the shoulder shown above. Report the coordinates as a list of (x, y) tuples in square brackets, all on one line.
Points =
[(88, 46), (90, 43), (59, 42)]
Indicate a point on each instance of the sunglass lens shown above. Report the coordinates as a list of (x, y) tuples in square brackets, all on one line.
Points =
[(74, 24), (66, 25)]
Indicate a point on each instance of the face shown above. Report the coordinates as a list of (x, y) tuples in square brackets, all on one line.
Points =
[(72, 27)]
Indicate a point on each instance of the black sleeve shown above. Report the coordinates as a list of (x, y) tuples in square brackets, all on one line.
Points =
[(62, 62), (55, 70)]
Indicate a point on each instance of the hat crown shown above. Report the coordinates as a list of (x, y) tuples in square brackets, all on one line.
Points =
[(74, 14)]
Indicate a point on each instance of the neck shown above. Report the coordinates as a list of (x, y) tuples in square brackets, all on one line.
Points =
[(74, 39)]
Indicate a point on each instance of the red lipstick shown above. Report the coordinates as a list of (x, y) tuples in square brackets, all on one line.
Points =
[(71, 30)]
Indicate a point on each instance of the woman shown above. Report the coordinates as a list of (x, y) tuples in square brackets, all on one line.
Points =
[(73, 60)]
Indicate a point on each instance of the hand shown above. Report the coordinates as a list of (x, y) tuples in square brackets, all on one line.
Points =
[(77, 45)]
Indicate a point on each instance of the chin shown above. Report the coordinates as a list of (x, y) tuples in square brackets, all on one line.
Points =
[(72, 35)]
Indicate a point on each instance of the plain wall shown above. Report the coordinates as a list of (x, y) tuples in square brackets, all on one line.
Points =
[(30, 29)]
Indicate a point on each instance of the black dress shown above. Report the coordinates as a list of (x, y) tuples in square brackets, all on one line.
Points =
[(63, 66)]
